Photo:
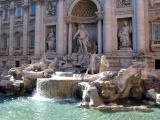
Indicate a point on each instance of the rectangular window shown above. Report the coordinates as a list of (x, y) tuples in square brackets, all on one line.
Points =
[(17, 63), (18, 42), (31, 43), (33, 8), (5, 14), (3, 63), (157, 32), (157, 64), (19, 11), (4, 42)]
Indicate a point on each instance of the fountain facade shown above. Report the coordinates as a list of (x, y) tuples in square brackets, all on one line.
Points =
[(118, 35)]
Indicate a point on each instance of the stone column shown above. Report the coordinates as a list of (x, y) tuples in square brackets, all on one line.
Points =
[(107, 26), (25, 27), (0, 22), (60, 43), (70, 38), (38, 28), (139, 10), (11, 26), (1, 26), (99, 26)]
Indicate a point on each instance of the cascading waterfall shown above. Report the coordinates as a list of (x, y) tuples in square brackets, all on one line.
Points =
[(90, 95), (57, 87), (85, 87)]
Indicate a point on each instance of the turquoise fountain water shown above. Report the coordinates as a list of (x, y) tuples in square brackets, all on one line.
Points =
[(35, 108)]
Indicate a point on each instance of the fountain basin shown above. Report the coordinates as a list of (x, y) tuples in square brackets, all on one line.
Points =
[(57, 87), (64, 74)]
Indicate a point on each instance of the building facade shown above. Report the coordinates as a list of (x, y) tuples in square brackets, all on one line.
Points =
[(117, 28)]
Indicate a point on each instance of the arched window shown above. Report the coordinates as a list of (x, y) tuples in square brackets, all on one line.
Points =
[(18, 40), (4, 44), (31, 39)]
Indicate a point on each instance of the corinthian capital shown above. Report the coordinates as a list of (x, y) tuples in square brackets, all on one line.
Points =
[(39, 1), (99, 15), (12, 5)]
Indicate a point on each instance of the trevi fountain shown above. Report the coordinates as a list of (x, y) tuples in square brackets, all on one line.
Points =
[(79, 71), (80, 86)]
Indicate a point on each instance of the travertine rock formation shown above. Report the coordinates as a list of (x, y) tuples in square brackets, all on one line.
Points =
[(29, 73), (126, 84)]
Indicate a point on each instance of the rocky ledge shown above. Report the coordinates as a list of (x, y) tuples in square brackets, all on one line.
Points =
[(117, 108)]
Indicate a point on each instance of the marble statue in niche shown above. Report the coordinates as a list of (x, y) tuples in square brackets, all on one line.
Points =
[(82, 39), (124, 35), (51, 40), (123, 3), (51, 8)]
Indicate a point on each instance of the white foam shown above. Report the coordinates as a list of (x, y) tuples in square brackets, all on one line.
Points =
[(37, 97)]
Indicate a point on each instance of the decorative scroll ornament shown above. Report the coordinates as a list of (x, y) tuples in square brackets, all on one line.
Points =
[(123, 3), (153, 2)]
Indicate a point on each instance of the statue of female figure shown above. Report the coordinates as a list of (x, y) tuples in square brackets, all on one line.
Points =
[(82, 38), (51, 40), (124, 36)]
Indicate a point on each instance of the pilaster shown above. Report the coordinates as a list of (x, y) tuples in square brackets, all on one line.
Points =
[(70, 38), (107, 26), (25, 26), (139, 14), (0, 23), (11, 36), (99, 26), (38, 27), (60, 41)]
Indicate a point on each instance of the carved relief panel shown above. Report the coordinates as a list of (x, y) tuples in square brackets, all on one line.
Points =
[(51, 7), (154, 3), (123, 3)]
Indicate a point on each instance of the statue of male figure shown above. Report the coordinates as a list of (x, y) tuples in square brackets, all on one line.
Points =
[(82, 37)]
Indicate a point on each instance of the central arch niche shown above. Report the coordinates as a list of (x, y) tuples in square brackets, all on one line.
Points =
[(84, 8), (83, 12)]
